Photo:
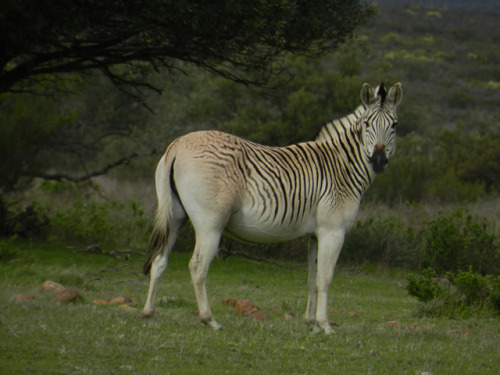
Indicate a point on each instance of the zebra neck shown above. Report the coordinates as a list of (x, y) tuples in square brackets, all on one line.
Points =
[(335, 128), (343, 137)]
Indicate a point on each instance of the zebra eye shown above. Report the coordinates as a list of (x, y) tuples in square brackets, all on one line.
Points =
[(394, 125), (367, 124)]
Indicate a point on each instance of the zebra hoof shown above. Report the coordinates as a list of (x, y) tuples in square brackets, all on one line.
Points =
[(212, 323), (216, 326), (147, 313), (315, 328), (326, 327)]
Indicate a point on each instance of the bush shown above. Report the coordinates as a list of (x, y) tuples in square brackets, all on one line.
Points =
[(7, 253), (448, 168), (424, 286), (106, 223), (385, 241), (463, 294), (85, 222), (459, 242), (27, 221), (79, 216), (448, 243)]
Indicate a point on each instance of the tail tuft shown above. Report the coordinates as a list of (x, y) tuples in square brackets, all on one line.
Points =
[(157, 243)]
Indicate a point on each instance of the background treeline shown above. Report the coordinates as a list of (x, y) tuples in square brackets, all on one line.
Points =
[(448, 155), (449, 122)]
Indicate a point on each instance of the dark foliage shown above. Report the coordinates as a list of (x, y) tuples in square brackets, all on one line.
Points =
[(230, 38)]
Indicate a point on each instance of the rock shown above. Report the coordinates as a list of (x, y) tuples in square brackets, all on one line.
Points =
[(228, 301), (245, 307), (259, 315), (394, 323), (288, 316), (100, 302), (120, 300), (50, 286), (68, 295), (127, 308), (23, 298)]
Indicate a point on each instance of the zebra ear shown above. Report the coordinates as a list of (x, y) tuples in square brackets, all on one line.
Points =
[(367, 94), (395, 94)]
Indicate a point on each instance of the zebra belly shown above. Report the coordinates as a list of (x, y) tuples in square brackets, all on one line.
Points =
[(249, 229)]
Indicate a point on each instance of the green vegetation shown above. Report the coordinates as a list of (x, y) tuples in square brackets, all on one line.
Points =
[(76, 174), (459, 295), (377, 331), (458, 242)]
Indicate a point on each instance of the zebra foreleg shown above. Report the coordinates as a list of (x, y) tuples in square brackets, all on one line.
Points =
[(329, 246), (310, 315), (205, 250)]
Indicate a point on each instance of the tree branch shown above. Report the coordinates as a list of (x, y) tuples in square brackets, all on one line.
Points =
[(227, 40), (89, 175)]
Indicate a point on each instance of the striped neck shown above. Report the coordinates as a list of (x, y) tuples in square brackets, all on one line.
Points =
[(344, 137), (336, 127)]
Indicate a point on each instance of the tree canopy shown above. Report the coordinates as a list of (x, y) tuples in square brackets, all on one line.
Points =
[(127, 39)]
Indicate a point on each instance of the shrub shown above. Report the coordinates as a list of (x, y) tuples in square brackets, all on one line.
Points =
[(106, 223), (474, 287), (457, 242), (28, 221), (85, 221), (7, 253), (494, 297), (424, 286), (463, 294), (381, 241)]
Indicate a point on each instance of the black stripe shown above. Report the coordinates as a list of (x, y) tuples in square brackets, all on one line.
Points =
[(266, 180)]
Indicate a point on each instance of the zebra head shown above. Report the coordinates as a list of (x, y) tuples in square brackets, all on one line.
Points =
[(378, 123)]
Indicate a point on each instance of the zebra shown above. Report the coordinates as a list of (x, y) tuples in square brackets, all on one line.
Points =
[(263, 194)]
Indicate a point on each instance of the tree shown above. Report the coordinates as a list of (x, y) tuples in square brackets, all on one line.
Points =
[(49, 47), (72, 138), (127, 39)]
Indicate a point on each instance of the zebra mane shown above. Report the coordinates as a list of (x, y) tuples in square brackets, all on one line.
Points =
[(338, 126)]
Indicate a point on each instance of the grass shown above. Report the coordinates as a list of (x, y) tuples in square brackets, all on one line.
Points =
[(38, 336)]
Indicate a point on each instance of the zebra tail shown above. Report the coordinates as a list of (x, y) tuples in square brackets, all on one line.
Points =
[(159, 236), (157, 242)]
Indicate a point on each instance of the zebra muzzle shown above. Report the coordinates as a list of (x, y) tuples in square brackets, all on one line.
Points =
[(378, 159)]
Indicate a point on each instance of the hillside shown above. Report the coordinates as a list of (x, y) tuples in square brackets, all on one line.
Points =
[(448, 58)]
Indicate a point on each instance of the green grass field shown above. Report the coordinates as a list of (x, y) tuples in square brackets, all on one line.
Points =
[(40, 337)]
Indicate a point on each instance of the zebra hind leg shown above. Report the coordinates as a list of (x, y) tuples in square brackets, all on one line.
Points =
[(207, 245), (158, 266)]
